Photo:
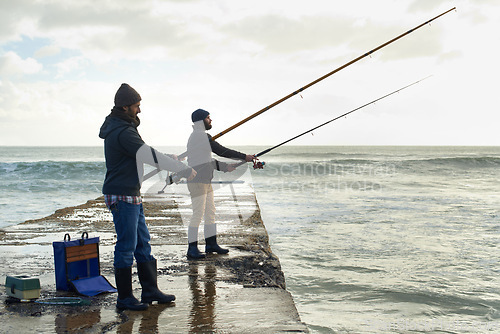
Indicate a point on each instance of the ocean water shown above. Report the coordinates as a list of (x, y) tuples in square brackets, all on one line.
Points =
[(36, 181), (387, 239), (371, 239)]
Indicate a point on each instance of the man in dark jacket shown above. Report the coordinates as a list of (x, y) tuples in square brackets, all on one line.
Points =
[(125, 154), (199, 151)]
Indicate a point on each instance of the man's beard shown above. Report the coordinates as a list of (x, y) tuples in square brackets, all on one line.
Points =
[(207, 126)]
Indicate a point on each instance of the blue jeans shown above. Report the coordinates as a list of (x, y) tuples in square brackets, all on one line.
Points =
[(132, 235)]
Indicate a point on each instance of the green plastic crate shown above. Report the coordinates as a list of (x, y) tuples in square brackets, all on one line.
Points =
[(22, 287)]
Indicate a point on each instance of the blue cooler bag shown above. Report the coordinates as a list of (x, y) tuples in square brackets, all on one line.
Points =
[(77, 266)]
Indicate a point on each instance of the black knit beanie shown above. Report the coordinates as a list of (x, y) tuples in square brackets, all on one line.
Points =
[(126, 96), (199, 115)]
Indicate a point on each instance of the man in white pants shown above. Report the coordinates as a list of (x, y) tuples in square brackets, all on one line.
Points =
[(199, 151)]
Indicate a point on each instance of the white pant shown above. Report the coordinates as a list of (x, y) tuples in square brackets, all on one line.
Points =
[(203, 205)]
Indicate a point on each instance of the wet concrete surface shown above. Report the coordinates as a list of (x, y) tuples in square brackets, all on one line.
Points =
[(241, 292)]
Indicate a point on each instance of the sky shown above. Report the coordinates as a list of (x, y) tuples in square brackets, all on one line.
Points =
[(61, 63)]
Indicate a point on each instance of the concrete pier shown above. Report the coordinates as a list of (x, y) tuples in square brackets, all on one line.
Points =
[(242, 292)]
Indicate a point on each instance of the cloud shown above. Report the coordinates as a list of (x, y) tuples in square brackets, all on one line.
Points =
[(25, 101), (417, 44), (47, 51), (72, 65), (426, 5), (124, 29), (451, 55), (11, 64), (282, 35)]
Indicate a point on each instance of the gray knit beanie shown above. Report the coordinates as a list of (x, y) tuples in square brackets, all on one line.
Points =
[(126, 96)]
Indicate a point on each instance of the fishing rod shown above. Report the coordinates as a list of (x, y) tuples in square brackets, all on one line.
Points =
[(260, 165), (175, 178), (326, 76)]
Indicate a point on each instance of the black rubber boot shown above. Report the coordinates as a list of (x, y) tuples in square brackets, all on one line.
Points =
[(126, 300), (147, 272), (193, 252), (211, 246)]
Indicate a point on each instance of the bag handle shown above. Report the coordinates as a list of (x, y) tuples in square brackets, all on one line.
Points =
[(85, 235)]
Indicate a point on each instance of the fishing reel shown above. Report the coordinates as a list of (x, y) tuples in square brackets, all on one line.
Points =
[(171, 179), (258, 164)]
